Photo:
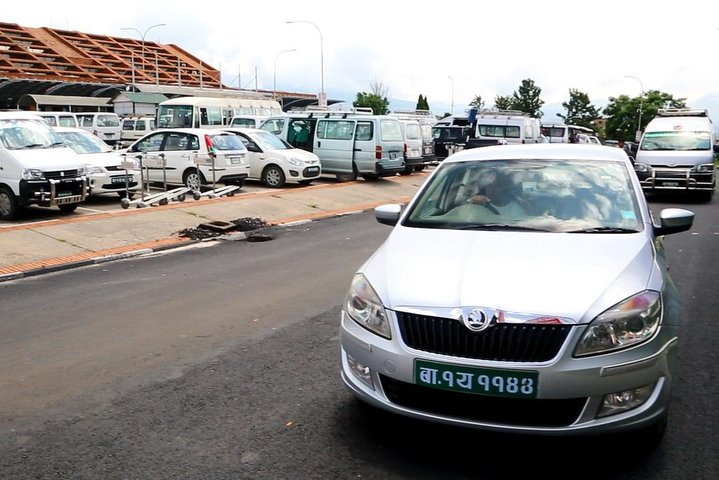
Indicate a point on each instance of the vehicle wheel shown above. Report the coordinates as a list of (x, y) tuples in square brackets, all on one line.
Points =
[(419, 168), (370, 177), (68, 207), (194, 179), (407, 170), (181, 197), (349, 177), (273, 176), (125, 203), (9, 209)]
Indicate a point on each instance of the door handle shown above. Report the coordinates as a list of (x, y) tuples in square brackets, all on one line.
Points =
[(357, 149), (319, 144)]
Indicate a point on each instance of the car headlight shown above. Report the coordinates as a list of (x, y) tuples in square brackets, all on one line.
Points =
[(364, 307), (626, 324), (641, 167), (32, 174), (295, 161), (93, 170)]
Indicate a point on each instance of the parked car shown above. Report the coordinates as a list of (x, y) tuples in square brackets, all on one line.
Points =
[(103, 165), (192, 157), (275, 162), (559, 319)]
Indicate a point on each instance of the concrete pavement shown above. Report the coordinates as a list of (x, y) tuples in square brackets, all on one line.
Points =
[(76, 240)]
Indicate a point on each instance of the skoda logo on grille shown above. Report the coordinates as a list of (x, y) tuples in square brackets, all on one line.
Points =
[(478, 320)]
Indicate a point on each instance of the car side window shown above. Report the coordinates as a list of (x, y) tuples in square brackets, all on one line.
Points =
[(149, 144), (175, 141)]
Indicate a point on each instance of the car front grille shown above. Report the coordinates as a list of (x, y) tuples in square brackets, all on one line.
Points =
[(546, 413), (60, 174), (509, 342)]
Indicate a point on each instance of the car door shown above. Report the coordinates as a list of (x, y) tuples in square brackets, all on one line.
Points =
[(178, 149), (255, 156), (147, 150)]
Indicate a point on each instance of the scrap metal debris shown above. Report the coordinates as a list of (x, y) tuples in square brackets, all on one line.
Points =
[(216, 229)]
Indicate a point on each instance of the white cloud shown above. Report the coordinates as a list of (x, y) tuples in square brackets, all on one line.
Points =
[(412, 48)]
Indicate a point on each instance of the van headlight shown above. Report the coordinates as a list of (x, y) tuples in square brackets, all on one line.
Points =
[(641, 167), (628, 323), (32, 174), (705, 168), (364, 307)]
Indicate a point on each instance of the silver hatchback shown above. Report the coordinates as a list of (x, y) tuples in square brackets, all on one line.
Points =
[(524, 289)]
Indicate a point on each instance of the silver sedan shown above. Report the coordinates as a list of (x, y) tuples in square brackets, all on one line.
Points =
[(524, 289)]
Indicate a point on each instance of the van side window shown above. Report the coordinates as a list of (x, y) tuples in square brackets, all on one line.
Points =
[(365, 131), (50, 121), (335, 129), (67, 121), (84, 120)]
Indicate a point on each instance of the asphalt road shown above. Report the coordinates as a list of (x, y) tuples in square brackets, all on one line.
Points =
[(222, 363)]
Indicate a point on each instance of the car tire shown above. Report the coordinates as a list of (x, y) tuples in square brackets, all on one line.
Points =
[(194, 179), (9, 209), (273, 176), (68, 207)]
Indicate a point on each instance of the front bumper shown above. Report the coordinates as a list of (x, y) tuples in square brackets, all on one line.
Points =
[(569, 395), (668, 178), (51, 192)]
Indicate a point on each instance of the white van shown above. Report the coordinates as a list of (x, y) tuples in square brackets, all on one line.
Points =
[(59, 119), (36, 167), (105, 125), (412, 134), (134, 128), (676, 152), (349, 144), (512, 126)]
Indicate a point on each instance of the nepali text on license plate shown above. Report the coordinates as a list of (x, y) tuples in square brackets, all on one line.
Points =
[(485, 381), (313, 170), (670, 183), (121, 180)]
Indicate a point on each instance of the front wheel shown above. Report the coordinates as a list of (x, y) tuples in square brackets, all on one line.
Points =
[(67, 207), (9, 209), (273, 176)]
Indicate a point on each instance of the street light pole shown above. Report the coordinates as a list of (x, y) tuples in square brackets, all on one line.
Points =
[(323, 98), (638, 134), (274, 76), (142, 40), (451, 112)]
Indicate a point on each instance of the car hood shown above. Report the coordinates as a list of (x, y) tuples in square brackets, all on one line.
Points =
[(48, 159), (303, 155), (104, 159), (575, 276)]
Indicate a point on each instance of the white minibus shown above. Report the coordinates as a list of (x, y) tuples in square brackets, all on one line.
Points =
[(211, 112)]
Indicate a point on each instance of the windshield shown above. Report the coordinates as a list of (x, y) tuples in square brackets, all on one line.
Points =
[(17, 134), (682, 140), (84, 142), (544, 195), (174, 116), (227, 141), (269, 141)]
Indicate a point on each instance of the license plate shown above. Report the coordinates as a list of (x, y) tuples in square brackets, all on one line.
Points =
[(485, 381), (392, 155), (670, 184), (313, 170), (235, 160), (67, 199), (63, 194), (121, 180)]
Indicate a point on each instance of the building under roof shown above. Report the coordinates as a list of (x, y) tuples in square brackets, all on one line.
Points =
[(46, 61)]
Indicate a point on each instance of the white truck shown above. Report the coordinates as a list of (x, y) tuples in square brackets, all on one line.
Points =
[(36, 167), (676, 152)]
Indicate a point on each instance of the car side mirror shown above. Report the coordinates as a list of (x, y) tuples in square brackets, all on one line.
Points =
[(388, 214)]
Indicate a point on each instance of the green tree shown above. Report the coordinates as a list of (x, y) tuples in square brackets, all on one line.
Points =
[(477, 102), (579, 109), (378, 104), (527, 99), (422, 103), (622, 113), (502, 103)]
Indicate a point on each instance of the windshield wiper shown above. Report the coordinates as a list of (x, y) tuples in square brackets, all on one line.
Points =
[(499, 226), (33, 145), (604, 230)]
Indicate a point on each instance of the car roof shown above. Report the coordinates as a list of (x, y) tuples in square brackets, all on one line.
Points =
[(541, 151), (70, 129), (245, 130)]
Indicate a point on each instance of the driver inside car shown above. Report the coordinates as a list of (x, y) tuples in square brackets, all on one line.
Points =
[(499, 193)]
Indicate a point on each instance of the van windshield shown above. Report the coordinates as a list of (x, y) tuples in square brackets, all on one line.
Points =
[(21, 133), (683, 140)]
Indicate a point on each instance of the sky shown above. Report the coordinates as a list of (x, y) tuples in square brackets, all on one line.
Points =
[(448, 52)]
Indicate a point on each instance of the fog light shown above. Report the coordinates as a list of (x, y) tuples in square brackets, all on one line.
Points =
[(618, 402), (361, 371), (294, 173)]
